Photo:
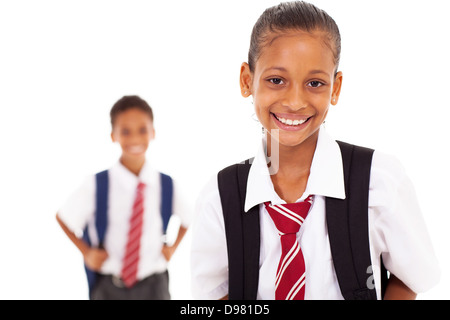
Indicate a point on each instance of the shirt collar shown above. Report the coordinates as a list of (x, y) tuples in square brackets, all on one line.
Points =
[(147, 174), (326, 176)]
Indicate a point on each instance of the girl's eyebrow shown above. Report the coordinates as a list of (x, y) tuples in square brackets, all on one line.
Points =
[(275, 68), (319, 71)]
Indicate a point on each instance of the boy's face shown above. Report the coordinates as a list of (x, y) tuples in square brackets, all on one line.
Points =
[(293, 85), (133, 130)]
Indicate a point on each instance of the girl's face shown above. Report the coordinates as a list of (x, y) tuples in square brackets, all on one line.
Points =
[(293, 85)]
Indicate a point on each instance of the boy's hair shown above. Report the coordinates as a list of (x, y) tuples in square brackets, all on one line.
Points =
[(296, 15), (129, 102)]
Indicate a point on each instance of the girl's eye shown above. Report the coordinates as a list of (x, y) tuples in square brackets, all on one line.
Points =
[(315, 84), (125, 132), (276, 81)]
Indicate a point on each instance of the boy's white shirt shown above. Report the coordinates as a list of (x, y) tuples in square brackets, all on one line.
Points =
[(396, 229), (79, 210)]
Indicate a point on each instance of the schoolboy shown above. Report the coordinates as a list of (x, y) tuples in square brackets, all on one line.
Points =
[(133, 261)]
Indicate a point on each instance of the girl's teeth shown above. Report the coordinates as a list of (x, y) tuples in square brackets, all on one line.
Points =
[(291, 122)]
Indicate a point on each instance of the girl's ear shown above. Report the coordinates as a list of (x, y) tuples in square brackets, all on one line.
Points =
[(245, 80), (112, 136), (336, 88)]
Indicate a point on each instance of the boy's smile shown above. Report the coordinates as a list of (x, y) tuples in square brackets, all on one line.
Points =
[(293, 84), (136, 149)]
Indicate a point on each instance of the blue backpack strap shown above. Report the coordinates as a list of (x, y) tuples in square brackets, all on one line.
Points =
[(166, 200), (101, 220), (101, 216)]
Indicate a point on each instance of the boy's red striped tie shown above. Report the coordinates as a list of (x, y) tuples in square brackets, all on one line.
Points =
[(131, 258), (290, 278)]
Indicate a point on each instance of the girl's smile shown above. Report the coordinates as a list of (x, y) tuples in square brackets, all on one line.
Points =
[(290, 122)]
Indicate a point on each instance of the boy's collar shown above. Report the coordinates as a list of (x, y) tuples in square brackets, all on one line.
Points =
[(326, 177), (146, 175)]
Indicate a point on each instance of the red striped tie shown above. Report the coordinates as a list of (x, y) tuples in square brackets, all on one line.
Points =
[(131, 258), (290, 278)]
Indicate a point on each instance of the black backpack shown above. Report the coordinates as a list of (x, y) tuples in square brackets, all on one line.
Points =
[(347, 222)]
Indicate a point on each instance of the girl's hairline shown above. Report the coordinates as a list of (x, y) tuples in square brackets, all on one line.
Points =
[(283, 31)]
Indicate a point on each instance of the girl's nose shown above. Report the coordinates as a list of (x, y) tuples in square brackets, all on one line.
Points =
[(294, 98)]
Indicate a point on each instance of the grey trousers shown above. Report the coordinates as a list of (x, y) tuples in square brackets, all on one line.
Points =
[(154, 287)]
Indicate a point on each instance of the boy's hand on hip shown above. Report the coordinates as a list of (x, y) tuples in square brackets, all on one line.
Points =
[(168, 251), (94, 258)]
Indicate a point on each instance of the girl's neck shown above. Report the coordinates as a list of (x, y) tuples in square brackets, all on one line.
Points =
[(294, 164), (293, 158), (133, 164)]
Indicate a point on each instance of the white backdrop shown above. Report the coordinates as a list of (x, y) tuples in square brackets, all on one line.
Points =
[(64, 63)]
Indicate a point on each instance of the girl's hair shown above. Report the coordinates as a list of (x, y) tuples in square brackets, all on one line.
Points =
[(296, 15), (129, 102)]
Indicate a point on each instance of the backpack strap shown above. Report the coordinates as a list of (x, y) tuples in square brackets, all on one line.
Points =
[(101, 220), (242, 231), (101, 215), (166, 200), (347, 221)]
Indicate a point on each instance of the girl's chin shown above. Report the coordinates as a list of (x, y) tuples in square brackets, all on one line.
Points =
[(289, 138)]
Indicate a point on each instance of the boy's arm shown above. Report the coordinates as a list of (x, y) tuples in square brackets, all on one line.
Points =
[(397, 290), (168, 251), (93, 257)]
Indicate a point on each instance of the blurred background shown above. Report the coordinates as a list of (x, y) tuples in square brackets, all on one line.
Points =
[(63, 64)]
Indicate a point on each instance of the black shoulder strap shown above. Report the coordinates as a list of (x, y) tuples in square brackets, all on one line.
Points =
[(347, 222), (242, 232)]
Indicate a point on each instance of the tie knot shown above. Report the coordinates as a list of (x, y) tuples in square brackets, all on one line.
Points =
[(141, 187), (289, 217)]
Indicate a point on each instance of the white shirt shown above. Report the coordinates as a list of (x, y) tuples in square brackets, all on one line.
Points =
[(396, 228), (79, 210)]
